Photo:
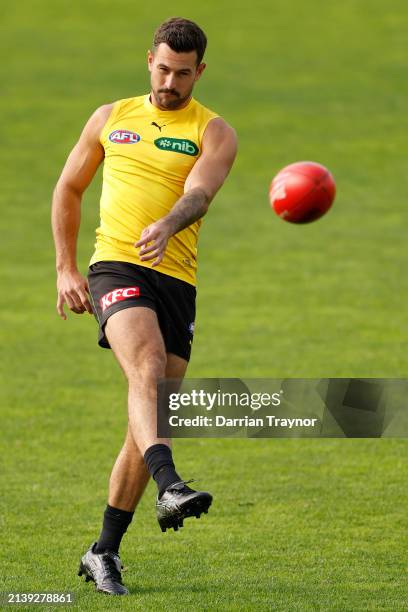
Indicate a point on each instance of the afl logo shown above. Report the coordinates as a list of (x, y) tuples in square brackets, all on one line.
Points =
[(124, 137)]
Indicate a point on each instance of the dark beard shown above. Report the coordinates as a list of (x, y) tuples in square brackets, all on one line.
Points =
[(171, 104)]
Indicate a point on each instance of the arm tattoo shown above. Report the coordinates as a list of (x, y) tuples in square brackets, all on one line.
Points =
[(191, 206)]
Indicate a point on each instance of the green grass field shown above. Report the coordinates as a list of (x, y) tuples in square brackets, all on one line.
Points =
[(296, 524)]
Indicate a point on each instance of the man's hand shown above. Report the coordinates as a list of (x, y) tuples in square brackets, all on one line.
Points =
[(153, 241), (72, 289)]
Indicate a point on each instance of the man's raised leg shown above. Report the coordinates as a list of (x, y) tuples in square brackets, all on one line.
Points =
[(135, 337), (129, 474)]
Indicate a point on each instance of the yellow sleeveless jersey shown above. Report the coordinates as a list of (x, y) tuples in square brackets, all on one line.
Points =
[(148, 156)]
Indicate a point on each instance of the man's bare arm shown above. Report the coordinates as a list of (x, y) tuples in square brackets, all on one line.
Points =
[(219, 149), (78, 172)]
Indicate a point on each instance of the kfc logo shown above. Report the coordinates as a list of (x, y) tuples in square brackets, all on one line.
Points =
[(117, 296)]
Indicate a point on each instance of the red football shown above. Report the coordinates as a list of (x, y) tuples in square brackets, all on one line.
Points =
[(302, 192)]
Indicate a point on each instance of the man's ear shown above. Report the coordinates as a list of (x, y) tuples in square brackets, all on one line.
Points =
[(200, 69), (150, 60)]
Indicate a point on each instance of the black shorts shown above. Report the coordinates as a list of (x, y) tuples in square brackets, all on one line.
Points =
[(115, 285)]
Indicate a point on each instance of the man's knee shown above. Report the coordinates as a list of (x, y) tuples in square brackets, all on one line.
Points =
[(149, 365), (135, 337)]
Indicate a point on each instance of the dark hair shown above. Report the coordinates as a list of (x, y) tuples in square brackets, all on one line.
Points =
[(181, 35)]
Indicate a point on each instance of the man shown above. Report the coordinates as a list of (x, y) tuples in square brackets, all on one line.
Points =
[(165, 157)]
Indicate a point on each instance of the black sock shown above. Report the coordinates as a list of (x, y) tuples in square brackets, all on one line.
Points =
[(115, 523), (159, 461)]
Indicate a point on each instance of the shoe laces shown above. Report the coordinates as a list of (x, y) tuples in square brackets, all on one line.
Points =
[(175, 486), (111, 567), (180, 482), (188, 481)]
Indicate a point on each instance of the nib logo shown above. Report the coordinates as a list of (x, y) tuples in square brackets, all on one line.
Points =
[(117, 296), (177, 145), (164, 143)]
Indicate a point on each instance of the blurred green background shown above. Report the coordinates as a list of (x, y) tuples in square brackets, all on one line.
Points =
[(296, 525)]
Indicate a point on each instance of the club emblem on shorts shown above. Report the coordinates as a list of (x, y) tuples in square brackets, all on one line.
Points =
[(191, 328), (124, 137), (117, 295), (177, 145)]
